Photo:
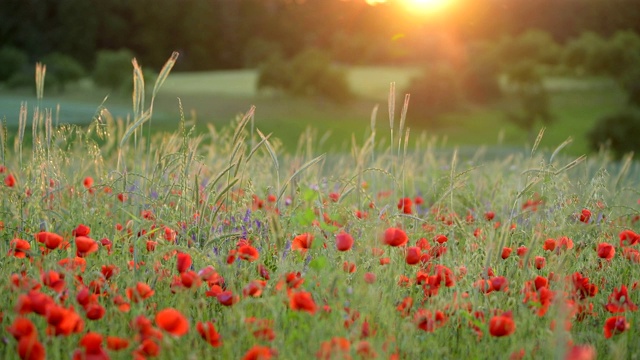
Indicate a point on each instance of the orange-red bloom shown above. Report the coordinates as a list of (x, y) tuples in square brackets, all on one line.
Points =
[(29, 348), (344, 241), (92, 344), (208, 332), (302, 301), (85, 246), (172, 321), (248, 252), (302, 242), (606, 251), (395, 237), (581, 352), (502, 325), (117, 343), (49, 239), (140, 292), (10, 180), (19, 248), (183, 262), (615, 325), (258, 352), (619, 301)]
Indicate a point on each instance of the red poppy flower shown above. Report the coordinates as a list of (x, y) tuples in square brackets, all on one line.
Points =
[(50, 240), (63, 321), (85, 246), (395, 237), (183, 261), (248, 253), (22, 327), (549, 245), (606, 251), (208, 332), (369, 277), (564, 243), (344, 241), (506, 252), (615, 325), (582, 286), (92, 344), (540, 282), (405, 205), (619, 301), (428, 321), (172, 321), (441, 239), (302, 242), (585, 215), (29, 348), (254, 288), (581, 352), (539, 262), (336, 348), (413, 255), (302, 301), (53, 280), (81, 230), (258, 352), (94, 311), (87, 182), (19, 248), (10, 180), (117, 343), (628, 238), (227, 298), (502, 325), (140, 292)]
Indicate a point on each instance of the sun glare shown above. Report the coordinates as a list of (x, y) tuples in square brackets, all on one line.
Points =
[(425, 6)]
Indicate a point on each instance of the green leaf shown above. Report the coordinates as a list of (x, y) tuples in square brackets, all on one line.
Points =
[(319, 263)]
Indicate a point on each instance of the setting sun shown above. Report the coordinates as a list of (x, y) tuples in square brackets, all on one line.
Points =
[(425, 6)]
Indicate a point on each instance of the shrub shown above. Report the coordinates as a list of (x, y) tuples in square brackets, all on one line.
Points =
[(579, 55), (113, 69), (259, 51), (526, 87), (436, 91), (309, 73), (480, 80), (533, 45), (62, 70), (618, 133), (13, 62)]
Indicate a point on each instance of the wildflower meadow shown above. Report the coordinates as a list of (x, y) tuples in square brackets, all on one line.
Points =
[(121, 242)]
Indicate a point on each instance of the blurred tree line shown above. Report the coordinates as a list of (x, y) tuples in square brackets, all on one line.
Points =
[(215, 34)]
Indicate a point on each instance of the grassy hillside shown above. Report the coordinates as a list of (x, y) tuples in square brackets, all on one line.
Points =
[(218, 97)]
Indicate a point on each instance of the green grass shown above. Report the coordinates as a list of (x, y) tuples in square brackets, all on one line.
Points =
[(218, 97)]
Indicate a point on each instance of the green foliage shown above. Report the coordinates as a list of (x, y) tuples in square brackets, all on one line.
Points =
[(534, 45), (619, 133), (618, 56), (480, 80), (62, 70), (113, 69), (13, 61), (436, 91), (579, 55), (529, 92), (308, 74), (259, 51)]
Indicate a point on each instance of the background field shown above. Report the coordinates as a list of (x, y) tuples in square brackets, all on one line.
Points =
[(219, 96)]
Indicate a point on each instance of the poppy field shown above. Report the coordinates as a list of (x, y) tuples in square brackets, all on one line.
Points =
[(122, 243)]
